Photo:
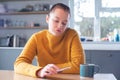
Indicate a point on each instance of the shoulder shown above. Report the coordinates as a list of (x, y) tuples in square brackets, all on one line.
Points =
[(71, 32), (71, 35), (40, 33)]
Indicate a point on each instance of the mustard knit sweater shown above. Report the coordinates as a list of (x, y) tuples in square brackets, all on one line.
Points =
[(64, 50)]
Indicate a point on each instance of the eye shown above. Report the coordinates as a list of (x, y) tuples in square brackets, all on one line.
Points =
[(64, 23), (56, 21)]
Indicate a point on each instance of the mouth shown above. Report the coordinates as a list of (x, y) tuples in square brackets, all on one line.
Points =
[(59, 31)]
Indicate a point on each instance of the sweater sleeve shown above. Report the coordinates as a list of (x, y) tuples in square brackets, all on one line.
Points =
[(77, 56), (23, 64)]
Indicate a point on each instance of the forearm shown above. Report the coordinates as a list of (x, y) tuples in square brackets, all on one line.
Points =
[(26, 69), (74, 64)]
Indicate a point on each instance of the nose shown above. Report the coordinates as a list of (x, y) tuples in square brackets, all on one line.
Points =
[(60, 25)]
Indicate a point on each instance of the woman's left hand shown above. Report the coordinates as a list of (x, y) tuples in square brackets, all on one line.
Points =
[(49, 69)]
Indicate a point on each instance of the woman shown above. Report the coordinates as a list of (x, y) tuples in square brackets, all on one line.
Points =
[(55, 48)]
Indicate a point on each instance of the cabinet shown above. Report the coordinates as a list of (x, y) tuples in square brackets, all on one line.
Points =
[(23, 14), (108, 60), (23, 21), (20, 24), (12, 54)]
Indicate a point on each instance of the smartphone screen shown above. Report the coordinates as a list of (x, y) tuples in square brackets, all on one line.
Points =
[(62, 69)]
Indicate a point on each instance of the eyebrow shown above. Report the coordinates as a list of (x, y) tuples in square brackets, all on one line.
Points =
[(63, 20)]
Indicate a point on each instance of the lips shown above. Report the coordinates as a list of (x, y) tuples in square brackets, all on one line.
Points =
[(58, 30)]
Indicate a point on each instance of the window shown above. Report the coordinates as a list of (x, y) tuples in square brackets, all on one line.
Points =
[(96, 19), (84, 17), (110, 18), (111, 3)]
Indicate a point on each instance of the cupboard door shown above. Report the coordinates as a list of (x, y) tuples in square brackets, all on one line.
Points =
[(88, 56), (7, 58), (108, 61)]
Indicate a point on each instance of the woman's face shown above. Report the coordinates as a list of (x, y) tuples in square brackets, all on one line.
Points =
[(57, 21)]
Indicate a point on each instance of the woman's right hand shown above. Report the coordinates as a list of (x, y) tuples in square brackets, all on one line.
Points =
[(49, 69)]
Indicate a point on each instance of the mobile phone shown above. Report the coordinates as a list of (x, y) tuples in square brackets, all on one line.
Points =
[(62, 69)]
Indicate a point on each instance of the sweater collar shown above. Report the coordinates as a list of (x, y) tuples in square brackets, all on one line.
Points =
[(55, 39)]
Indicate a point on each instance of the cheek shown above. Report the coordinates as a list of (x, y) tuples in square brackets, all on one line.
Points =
[(51, 25), (64, 28)]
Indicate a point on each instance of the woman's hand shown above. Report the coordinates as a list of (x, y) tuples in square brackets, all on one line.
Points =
[(49, 69)]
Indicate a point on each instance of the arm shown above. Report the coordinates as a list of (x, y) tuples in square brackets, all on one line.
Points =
[(77, 56), (23, 64)]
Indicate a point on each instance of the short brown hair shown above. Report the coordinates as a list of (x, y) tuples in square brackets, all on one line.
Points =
[(60, 5)]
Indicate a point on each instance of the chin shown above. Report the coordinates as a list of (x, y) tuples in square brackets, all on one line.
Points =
[(57, 34)]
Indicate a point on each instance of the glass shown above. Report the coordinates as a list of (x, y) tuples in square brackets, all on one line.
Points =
[(84, 17), (111, 3), (96, 18), (108, 23)]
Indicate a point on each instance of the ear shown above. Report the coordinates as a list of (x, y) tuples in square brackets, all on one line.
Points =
[(47, 18)]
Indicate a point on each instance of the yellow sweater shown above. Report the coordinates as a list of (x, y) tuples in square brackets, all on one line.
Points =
[(64, 50)]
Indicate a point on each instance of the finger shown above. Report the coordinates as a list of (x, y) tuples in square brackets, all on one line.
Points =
[(52, 70), (54, 66), (48, 69), (45, 74)]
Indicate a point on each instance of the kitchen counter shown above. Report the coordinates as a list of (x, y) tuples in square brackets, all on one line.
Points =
[(101, 45), (89, 46)]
